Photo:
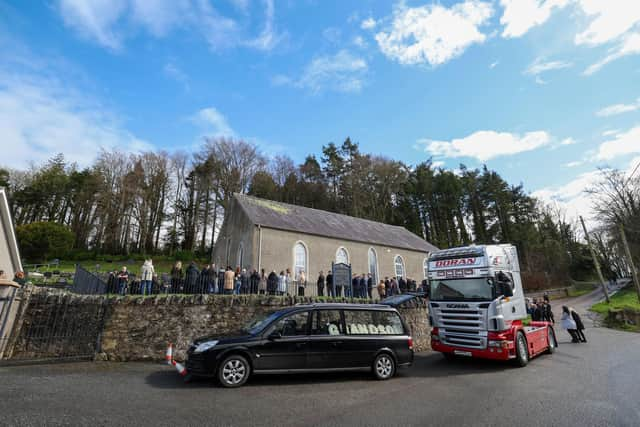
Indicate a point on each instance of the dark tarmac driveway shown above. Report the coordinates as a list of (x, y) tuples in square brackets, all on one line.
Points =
[(593, 384)]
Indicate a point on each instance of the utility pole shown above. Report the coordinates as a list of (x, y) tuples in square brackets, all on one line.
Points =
[(634, 272), (595, 261)]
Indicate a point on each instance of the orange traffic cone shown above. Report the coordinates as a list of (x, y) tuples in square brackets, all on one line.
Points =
[(169, 356), (181, 369)]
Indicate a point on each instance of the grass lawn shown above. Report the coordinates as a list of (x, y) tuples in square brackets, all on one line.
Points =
[(161, 265), (625, 298)]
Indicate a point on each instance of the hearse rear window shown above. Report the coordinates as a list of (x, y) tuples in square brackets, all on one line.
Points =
[(327, 322), (364, 322)]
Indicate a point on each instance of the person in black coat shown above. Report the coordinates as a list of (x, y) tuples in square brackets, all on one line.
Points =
[(244, 282), (402, 284), (320, 284), (254, 281), (272, 283), (355, 287), (547, 313), (329, 281), (363, 286), (579, 325), (369, 285), (191, 278), (536, 311)]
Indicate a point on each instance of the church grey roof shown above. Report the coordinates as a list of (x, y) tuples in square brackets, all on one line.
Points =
[(300, 219)]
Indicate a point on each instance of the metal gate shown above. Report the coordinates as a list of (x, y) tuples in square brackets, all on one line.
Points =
[(55, 327)]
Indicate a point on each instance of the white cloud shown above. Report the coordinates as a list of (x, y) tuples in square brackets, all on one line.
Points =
[(494, 65), (568, 141), (437, 164), (571, 197), (109, 22), (359, 42), (573, 164), (94, 19), (615, 109), (433, 33), (623, 144), (487, 144), (332, 34), (213, 122), (629, 46), (269, 38), (368, 24), (41, 116), (610, 132), (611, 19), (342, 72), (521, 15), (174, 72), (540, 66)]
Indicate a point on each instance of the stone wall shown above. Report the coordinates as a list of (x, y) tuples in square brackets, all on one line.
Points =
[(139, 329), (136, 328)]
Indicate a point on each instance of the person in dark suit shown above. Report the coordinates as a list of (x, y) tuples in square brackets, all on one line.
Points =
[(329, 281), (579, 325), (320, 283), (272, 283), (369, 285)]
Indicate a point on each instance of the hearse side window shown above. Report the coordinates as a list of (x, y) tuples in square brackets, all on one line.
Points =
[(327, 322), (364, 322), (291, 325)]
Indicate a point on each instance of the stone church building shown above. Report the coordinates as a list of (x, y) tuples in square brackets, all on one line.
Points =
[(259, 233)]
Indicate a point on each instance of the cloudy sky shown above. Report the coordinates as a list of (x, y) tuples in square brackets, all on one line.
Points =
[(544, 91)]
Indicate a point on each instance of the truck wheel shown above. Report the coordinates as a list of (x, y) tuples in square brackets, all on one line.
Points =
[(522, 353), (553, 344), (234, 371), (384, 367)]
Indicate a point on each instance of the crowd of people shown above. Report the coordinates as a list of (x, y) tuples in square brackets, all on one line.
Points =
[(213, 280), (570, 320)]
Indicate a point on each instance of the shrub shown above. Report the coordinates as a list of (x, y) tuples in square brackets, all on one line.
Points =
[(41, 241)]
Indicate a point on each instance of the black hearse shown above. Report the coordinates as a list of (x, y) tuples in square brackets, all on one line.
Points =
[(307, 338)]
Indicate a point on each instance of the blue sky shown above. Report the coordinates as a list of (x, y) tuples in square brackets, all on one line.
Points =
[(544, 91)]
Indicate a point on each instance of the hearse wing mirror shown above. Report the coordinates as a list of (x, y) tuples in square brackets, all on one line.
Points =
[(274, 336)]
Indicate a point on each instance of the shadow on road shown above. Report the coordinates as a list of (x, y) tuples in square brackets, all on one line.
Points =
[(436, 366), (425, 366), (169, 379)]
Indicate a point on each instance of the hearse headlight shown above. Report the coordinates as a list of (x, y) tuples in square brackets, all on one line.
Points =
[(204, 346)]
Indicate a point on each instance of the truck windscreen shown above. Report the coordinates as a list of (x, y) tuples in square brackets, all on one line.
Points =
[(461, 290)]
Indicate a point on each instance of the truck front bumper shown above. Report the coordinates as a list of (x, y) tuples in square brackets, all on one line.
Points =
[(496, 353)]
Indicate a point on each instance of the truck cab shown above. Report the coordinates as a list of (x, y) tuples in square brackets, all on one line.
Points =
[(477, 306)]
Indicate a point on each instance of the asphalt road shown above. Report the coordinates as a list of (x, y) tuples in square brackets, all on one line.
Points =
[(592, 384)]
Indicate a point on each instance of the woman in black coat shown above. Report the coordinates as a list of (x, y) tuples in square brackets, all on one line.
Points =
[(272, 283), (579, 325)]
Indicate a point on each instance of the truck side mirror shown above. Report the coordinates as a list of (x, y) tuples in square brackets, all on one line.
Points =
[(505, 289)]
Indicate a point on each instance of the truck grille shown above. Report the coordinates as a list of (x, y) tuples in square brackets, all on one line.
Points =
[(462, 327)]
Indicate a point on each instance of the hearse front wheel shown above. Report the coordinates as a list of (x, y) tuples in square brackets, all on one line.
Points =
[(522, 353), (234, 371), (384, 367)]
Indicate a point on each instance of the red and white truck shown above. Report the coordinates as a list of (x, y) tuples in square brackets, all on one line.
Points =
[(477, 306)]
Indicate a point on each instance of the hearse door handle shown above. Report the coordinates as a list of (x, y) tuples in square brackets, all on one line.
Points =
[(301, 344), (336, 343)]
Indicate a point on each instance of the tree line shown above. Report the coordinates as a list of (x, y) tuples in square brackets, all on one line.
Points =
[(158, 202)]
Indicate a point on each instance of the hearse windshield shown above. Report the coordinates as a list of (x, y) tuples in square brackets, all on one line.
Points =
[(478, 289)]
